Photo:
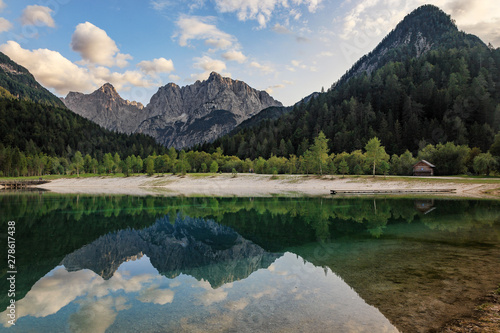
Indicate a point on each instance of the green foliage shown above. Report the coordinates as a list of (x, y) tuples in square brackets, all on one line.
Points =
[(150, 166), (78, 162), (495, 146), (318, 153), (214, 167), (343, 168), (449, 159), (37, 128), (375, 153), (484, 163)]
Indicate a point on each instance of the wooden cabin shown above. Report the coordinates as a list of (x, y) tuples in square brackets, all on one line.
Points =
[(423, 168)]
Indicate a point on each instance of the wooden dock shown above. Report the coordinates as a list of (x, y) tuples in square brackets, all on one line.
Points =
[(20, 184), (392, 191)]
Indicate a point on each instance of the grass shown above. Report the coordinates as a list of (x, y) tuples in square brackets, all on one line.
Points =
[(202, 175)]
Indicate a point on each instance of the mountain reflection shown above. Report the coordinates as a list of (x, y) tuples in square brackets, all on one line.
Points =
[(93, 263), (198, 247)]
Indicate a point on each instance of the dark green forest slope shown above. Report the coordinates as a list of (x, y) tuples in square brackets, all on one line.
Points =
[(426, 82), (34, 128), (19, 82)]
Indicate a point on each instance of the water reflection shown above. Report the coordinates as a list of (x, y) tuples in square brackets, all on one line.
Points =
[(197, 247), (290, 295), (120, 263)]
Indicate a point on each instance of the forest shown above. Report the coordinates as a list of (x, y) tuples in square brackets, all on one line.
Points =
[(36, 128), (449, 158), (408, 100)]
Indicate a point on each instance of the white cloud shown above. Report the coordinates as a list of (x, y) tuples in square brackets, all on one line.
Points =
[(56, 72), (2, 5), (5, 25), (234, 56), (159, 5), (96, 47), (196, 27), (155, 66), (370, 18), (279, 29), (37, 15), (263, 68), (270, 90), (208, 65), (262, 10), (50, 68), (93, 316), (156, 295), (174, 77), (481, 18)]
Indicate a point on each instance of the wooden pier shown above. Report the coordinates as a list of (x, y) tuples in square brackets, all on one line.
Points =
[(389, 191), (20, 184)]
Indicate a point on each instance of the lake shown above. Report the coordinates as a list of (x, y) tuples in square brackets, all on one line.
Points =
[(204, 264)]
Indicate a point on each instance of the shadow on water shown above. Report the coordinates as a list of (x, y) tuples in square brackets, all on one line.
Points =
[(420, 262)]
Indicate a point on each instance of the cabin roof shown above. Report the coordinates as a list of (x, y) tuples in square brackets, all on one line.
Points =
[(424, 161)]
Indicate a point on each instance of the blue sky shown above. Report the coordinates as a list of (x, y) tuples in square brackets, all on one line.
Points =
[(290, 48)]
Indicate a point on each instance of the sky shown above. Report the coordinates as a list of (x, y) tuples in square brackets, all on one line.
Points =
[(290, 48)]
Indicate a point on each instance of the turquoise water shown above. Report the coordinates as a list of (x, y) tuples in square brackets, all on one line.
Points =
[(175, 264)]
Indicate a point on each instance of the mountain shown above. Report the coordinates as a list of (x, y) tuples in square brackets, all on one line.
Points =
[(33, 120), (176, 116), (425, 83), (106, 108), (426, 28), (21, 84)]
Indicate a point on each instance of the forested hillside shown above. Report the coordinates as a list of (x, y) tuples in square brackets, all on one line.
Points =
[(19, 82), (443, 86), (37, 128)]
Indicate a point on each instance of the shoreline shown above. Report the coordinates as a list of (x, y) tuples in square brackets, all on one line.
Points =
[(269, 185)]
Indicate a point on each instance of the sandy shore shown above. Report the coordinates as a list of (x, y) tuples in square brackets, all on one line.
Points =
[(265, 185)]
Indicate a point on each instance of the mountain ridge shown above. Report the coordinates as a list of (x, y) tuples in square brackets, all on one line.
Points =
[(175, 114)]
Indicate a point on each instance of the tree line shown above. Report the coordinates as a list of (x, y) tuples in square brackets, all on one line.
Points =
[(449, 159)]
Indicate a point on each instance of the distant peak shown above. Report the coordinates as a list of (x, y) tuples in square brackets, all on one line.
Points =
[(214, 76), (108, 89)]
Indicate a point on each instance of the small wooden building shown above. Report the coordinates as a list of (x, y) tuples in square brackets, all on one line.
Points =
[(423, 168)]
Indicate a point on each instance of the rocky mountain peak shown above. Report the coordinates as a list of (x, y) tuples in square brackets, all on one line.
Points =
[(189, 115), (108, 90), (176, 116), (106, 108)]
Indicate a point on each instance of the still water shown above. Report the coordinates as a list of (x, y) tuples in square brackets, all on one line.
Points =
[(176, 264)]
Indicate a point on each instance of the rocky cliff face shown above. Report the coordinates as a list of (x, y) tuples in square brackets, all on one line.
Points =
[(176, 116), (203, 111), (106, 108)]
